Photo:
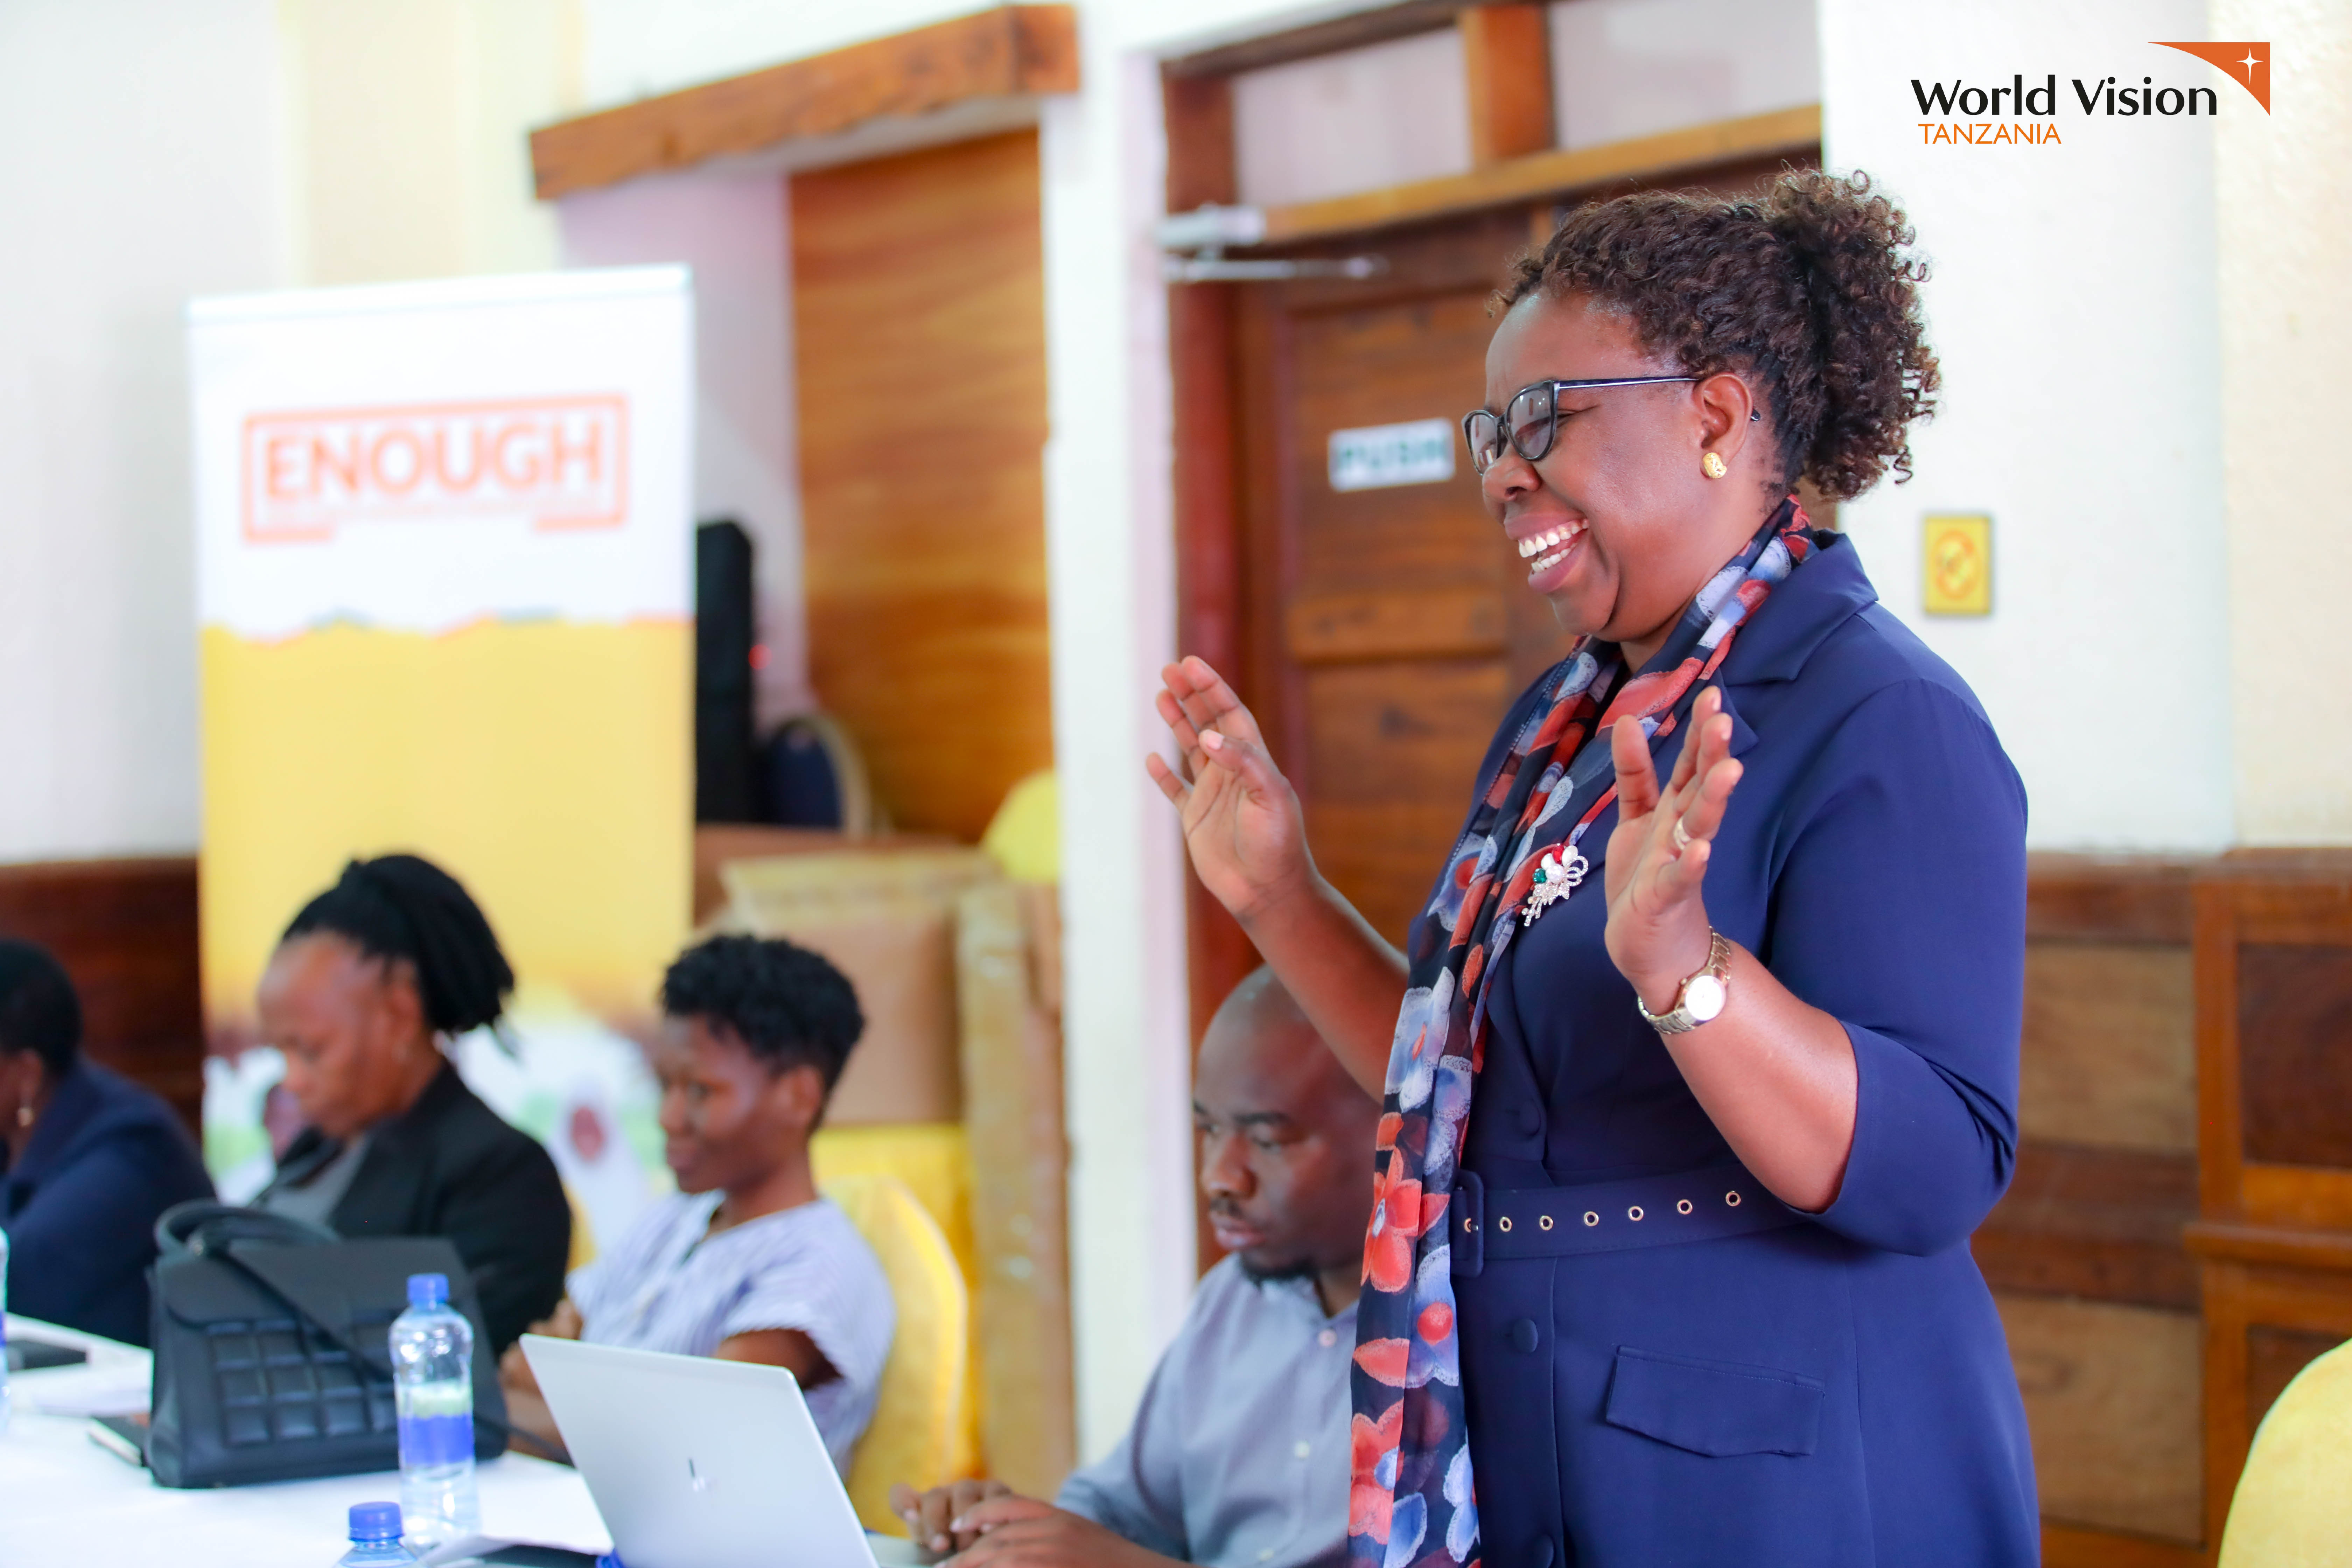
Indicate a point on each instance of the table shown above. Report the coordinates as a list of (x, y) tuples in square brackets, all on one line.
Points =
[(65, 1502)]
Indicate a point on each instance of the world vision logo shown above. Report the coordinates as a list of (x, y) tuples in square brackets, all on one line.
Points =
[(1972, 114)]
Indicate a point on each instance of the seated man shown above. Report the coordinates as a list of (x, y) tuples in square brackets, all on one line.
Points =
[(745, 1262), (1239, 1452)]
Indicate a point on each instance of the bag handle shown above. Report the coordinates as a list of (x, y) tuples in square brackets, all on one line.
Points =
[(202, 1228), (221, 1250)]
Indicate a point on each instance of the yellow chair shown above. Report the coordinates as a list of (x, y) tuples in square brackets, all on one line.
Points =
[(2294, 1502), (919, 1423)]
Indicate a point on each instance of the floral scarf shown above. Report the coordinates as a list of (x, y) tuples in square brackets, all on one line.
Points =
[(1411, 1499)]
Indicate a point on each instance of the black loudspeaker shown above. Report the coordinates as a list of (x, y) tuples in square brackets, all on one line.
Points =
[(726, 769)]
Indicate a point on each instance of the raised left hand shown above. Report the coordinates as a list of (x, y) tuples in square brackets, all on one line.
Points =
[(1657, 932), (1022, 1533)]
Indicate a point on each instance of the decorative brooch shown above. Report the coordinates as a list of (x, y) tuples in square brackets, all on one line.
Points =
[(1554, 881)]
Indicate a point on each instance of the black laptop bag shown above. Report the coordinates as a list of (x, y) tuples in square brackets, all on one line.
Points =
[(273, 1357)]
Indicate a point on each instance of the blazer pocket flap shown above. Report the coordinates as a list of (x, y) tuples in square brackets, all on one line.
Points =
[(1714, 1407)]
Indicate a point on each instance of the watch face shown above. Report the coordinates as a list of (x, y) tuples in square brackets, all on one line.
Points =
[(1704, 997)]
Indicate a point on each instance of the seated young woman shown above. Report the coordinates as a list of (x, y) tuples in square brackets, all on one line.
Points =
[(745, 1261), (368, 984), (88, 1160)]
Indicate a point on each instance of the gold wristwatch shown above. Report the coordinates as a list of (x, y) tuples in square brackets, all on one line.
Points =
[(1701, 997)]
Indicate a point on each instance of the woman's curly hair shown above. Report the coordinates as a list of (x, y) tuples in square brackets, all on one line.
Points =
[(1810, 290)]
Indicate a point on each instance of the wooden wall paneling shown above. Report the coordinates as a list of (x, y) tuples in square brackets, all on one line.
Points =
[(2069, 1546), (125, 932), (2282, 1016), (2273, 952), (2264, 1323), (2111, 1391), (2109, 1058), (1007, 51), (1507, 57), (919, 315), (2102, 1224)]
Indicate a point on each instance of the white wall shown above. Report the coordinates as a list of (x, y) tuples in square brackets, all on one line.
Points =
[(2286, 215), (1622, 68), (1385, 114), (141, 168), (736, 235), (2074, 309)]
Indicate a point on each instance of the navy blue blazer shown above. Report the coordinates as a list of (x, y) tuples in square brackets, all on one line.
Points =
[(1837, 1392), (106, 1158)]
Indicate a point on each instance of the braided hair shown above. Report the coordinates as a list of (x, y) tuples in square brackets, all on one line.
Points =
[(405, 908), (1811, 291)]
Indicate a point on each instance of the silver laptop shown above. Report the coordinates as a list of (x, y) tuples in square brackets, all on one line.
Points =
[(697, 1462)]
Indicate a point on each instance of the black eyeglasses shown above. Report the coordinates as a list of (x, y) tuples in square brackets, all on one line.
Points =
[(1531, 419)]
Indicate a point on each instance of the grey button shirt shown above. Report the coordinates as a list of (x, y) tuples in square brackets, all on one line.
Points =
[(1238, 1456)]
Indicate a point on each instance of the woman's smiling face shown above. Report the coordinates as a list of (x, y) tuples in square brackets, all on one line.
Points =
[(1607, 523)]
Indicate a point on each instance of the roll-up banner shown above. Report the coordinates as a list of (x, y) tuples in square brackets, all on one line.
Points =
[(444, 544)]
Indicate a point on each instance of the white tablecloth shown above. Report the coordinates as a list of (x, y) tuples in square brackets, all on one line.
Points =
[(65, 1502)]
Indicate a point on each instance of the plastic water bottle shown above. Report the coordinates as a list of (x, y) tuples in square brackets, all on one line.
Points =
[(375, 1538), (433, 1372)]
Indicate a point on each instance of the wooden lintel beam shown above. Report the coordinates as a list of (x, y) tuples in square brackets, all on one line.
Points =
[(1790, 131), (1006, 52), (1507, 59)]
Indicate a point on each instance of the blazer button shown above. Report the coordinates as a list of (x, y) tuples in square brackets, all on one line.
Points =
[(1531, 1119), (1540, 1555), (1524, 1337)]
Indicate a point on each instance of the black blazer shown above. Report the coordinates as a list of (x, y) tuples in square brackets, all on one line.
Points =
[(450, 1166)]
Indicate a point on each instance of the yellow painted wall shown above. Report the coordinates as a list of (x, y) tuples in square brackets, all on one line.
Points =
[(543, 763)]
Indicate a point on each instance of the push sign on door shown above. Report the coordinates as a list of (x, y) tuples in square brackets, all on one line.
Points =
[(1374, 456)]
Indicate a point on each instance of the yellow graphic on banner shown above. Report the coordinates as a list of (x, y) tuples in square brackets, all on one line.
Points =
[(1955, 559), (544, 763)]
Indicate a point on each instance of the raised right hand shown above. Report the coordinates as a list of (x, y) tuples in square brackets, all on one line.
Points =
[(932, 1517), (1243, 825)]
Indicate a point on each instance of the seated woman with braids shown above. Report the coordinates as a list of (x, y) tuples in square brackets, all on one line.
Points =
[(367, 985)]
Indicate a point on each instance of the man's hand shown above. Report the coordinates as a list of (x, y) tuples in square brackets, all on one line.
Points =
[(932, 1516), (1022, 1533)]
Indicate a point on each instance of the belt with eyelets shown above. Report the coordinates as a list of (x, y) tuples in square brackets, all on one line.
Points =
[(1649, 1211)]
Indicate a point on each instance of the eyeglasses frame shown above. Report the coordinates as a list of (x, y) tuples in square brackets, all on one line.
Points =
[(1551, 428)]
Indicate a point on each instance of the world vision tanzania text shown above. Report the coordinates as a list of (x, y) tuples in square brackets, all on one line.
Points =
[(2017, 114)]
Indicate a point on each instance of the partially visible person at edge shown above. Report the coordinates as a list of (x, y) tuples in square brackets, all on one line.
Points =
[(746, 1261), (92, 1159), (368, 986), (1238, 1456), (1699, 1082)]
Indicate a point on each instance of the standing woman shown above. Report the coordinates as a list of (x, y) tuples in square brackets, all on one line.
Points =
[(368, 981), (1700, 1083)]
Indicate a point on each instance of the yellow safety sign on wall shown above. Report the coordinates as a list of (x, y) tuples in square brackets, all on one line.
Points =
[(1955, 565)]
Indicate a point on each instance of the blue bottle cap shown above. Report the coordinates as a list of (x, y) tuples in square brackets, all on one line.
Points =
[(428, 1289), (375, 1522)]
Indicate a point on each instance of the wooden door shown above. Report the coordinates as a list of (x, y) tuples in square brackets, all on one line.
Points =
[(919, 317), (1385, 630)]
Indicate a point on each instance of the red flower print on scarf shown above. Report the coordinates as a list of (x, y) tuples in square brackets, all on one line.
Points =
[(1371, 1467)]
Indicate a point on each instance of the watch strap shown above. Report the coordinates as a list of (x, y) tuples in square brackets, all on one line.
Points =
[(1679, 1019)]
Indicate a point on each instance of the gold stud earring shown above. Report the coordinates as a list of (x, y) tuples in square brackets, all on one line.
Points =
[(24, 1115), (1713, 466)]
